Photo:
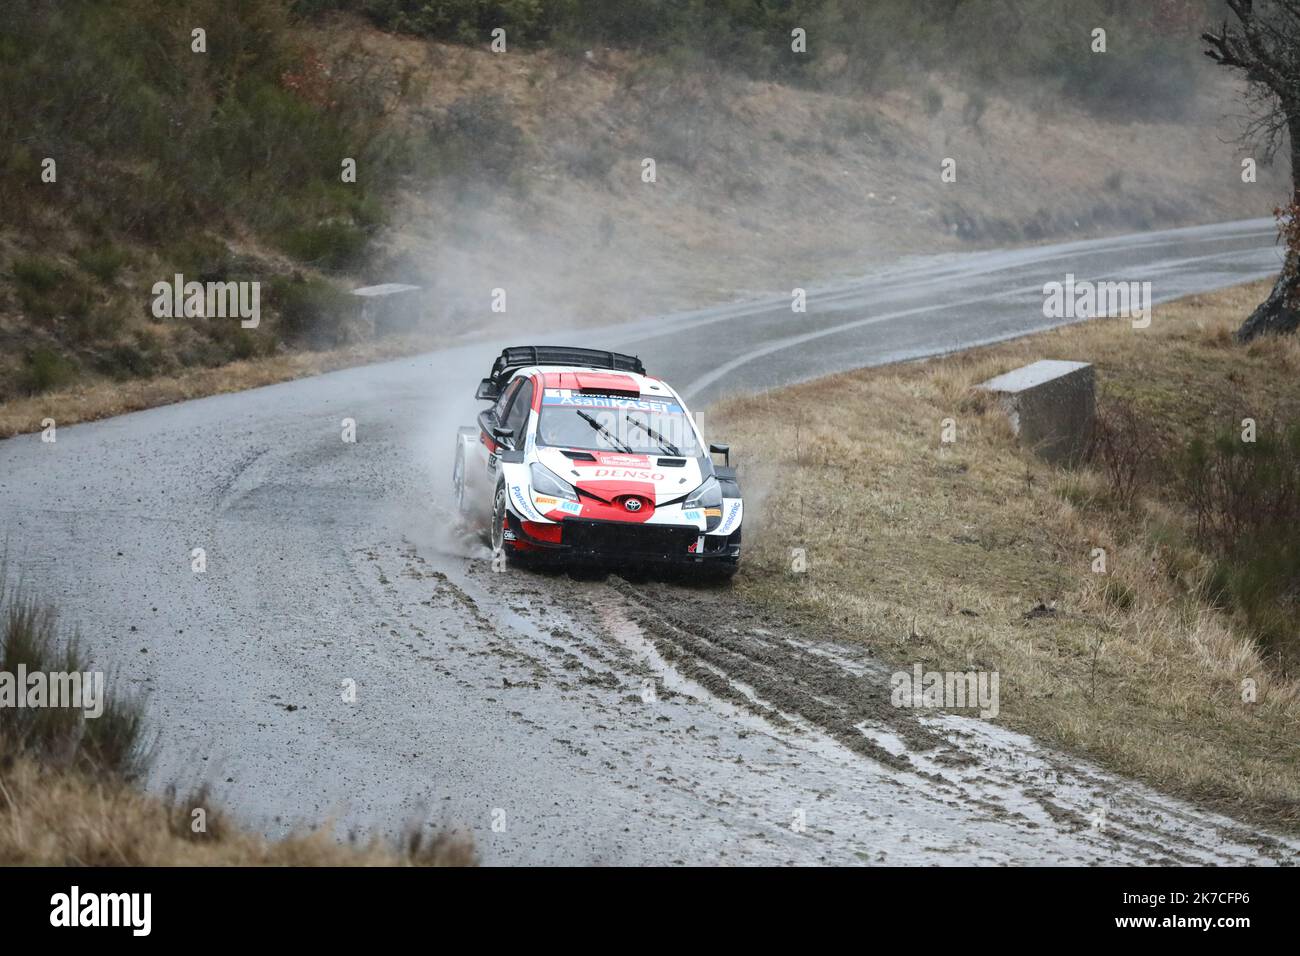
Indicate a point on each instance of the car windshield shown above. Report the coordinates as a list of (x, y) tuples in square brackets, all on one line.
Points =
[(614, 423)]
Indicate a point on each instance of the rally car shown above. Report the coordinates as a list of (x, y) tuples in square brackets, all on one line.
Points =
[(582, 455)]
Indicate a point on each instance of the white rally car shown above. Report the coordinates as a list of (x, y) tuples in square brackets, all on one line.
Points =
[(582, 455)]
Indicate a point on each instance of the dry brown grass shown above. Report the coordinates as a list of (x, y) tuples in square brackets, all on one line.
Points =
[(933, 552), (58, 818)]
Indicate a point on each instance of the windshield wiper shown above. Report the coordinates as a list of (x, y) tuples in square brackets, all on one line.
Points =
[(664, 443), (609, 435)]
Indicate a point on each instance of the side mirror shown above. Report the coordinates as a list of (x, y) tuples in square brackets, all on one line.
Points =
[(488, 391), (503, 434), (724, 451)]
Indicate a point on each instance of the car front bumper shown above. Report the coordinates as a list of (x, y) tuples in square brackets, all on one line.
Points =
[(583, 539)]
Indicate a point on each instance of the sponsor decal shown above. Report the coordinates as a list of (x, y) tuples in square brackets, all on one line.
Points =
[(542, 502), (507, 535), (713, 512), (528, 510), (635, 474), (731, 517), (694, 514), (624, 461), (571, 507), (564, 398)]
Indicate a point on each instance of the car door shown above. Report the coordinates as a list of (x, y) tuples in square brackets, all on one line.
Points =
[(489, 448), (517, 415)]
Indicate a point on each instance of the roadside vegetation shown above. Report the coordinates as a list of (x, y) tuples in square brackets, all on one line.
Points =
[(868, 47), (1177, 661), (220, 166), (70, 785)]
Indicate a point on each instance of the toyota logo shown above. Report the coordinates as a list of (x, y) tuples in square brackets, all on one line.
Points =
[(632, 504)]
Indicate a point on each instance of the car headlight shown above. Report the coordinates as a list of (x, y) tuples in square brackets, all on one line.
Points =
[(547, 482), (708, 495)]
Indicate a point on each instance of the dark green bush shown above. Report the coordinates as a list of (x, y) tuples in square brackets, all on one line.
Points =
[(45, 369), (125, 360), (330, 246), (1148, 68), (311, 311), (1246, 499), (37, 274), (265, 127), (103, 261)]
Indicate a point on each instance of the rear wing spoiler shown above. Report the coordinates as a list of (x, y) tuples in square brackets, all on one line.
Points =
[(522, 356)]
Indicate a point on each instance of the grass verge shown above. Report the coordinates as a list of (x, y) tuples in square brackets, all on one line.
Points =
[(975, 555)]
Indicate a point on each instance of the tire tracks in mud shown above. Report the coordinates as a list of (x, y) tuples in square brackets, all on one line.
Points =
[(811, 683), (817, 713), (761, 671)]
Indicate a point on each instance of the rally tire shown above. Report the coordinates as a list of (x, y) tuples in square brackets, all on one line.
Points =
[(496, 530), (497, 523), (458, 483)]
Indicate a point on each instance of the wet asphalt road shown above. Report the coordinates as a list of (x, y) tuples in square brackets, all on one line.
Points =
[(539, 713)]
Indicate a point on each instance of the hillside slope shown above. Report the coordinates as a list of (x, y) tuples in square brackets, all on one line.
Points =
[(519, 171)]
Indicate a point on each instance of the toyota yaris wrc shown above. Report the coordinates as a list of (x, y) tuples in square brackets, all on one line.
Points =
[(581, 455)]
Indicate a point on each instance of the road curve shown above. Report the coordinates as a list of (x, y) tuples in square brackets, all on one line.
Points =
[(558, 721)]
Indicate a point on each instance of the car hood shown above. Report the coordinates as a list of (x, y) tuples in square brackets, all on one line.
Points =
[(607, 475)]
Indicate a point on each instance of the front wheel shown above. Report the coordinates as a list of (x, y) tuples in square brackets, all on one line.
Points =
[(497, 526), (497, 531), (458, 483)]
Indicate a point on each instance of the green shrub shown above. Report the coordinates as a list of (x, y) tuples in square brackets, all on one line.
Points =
[(125, 360), (103, 261), (1246, 499), (265, 123), (45, 369), (866, 46), (311, 311), (465, 21), (37, 274), (1243, 492), (331, 246)]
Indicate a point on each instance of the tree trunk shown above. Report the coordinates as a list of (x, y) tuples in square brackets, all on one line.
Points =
[(1280, 312), (1275, 315)]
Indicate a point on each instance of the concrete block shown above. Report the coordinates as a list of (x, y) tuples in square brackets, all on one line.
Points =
[(1051, 405)]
